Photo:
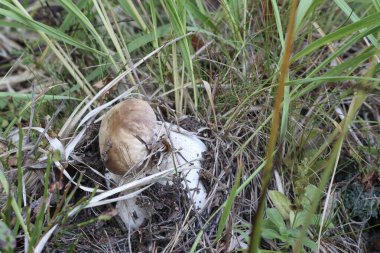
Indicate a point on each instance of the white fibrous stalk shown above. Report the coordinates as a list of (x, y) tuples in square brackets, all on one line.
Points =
[(130, 211)]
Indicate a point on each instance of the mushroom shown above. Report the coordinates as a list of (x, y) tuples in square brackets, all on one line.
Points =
[(128, 134), (124, 133)]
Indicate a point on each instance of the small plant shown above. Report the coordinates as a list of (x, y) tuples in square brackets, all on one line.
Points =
[(7, 240), (276, 228), (284, 223), (363, 204)]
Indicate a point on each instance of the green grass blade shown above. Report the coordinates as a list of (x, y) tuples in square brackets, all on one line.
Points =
[(342, 48), (335, 79), (177, 15), (20, 173), (86, 23), (349, 64), (278, 23), (232, 20), (4, 23), (108, 26), (37, 26), (70, 19), (22, 96), (354, 18), (305, 7), (131, 9), (144, 39), (19, 218), (372, 20), (62, 56), (376, 3), (230, 200), (155, 41), (37, 229), (196, 12), (238, 191)]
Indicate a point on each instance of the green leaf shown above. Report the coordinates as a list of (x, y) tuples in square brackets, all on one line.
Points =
[(274, 216), (7, 240), (299, 218), (270, 234), (281, 202), (269, 224), (310, 191), (310, 244)]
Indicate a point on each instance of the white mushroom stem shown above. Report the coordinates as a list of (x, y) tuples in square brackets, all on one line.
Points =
[(132, 214)]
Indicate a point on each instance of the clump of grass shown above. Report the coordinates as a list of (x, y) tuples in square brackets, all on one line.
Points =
[(274, 117)]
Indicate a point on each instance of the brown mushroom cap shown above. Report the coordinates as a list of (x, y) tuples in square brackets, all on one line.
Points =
[(124, 132)]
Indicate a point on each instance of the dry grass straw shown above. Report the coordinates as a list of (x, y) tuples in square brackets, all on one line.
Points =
[(235, 131)]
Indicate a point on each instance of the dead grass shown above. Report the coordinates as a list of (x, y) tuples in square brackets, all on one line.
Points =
[(235, 77)]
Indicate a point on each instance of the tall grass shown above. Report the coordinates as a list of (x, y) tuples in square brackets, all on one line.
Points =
[(228, 63)]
